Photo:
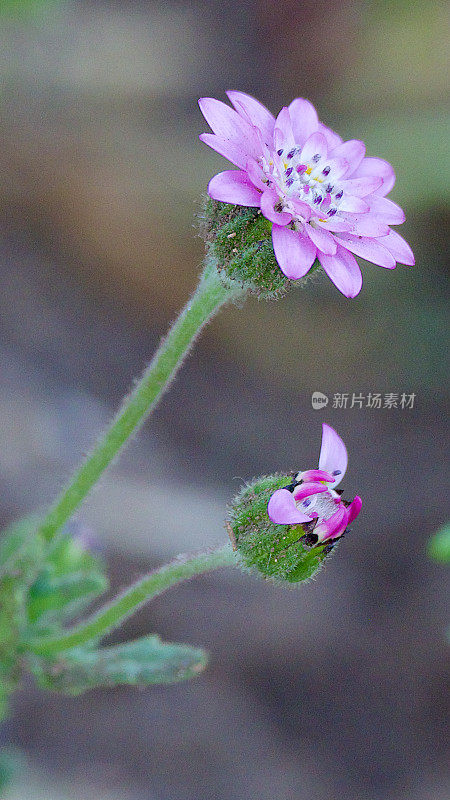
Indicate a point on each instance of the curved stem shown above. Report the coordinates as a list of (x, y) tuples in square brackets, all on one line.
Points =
[(114, 613), (209, 296)]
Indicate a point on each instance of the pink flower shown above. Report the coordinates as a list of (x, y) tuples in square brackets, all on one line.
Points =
[(311, 497), (323, 196)]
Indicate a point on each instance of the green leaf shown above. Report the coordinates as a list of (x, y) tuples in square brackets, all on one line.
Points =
[(64, 597), (68, 554), (439, 545), (71, 579), (21, 550), (145, 661)]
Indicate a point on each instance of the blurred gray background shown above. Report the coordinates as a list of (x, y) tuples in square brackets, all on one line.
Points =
[(333, 690)]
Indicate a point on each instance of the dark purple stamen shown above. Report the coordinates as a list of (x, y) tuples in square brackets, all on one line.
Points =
[(336, 472), (326, 171), (329, 188), (279, 152), (316, 158), (288, 171), (332, 212), (306, 503), (291, 153), (318, 199), (339, 195), (289, 182)]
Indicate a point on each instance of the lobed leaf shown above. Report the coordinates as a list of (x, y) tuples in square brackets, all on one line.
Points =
[(142, 662)]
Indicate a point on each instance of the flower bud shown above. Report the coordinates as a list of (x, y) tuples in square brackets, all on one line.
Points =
[(279, 552), (285, 525)]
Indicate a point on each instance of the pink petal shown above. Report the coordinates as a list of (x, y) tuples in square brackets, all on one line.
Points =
[(283, 136), (333, 138), (370, 249), (368, 225), (235, 187), (257, 114), (282, 510), (316, 144), (226, 123), (361, 187), (386, 210), (338, 168), (304, 119), (333, 454), (377, 166), (294, 251), (354, 509), (270, 199), (398, 247), (353, 205), (256, 175), (343, 270), (334, 224), (315, 475), (303, 209), (324, 240), (225, 148), (333, 526), (353, 152), (307, 489)]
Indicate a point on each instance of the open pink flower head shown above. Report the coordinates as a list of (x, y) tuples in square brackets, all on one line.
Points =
[(313, 496), (323, 196)]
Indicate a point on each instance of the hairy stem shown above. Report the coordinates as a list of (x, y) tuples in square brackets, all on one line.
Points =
[(115, 612), (209, 296)]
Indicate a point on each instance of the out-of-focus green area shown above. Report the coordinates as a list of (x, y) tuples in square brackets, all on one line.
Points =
[(27, 9), (439, 544)]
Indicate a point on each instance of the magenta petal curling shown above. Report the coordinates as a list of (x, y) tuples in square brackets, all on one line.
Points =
[(316, 475), (354, 509), (308, 183), (307, 489), (334, 526), (333, 454), (283, 510)]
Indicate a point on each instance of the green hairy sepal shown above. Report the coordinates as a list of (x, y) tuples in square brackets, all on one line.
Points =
[(277, 552), (239, 241)]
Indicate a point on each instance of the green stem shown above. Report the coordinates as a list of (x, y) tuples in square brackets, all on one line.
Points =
[(209, 296), (114, 613)]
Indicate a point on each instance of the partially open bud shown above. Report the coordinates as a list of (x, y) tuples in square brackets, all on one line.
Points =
[(284, 526)]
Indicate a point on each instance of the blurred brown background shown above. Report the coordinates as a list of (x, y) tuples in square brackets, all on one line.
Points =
[(335, 690)]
